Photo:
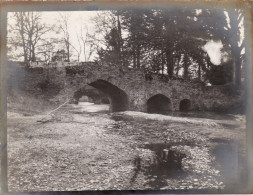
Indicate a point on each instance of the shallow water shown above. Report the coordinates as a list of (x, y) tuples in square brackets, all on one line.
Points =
[(167, 163), (87, 107), (91, 107)]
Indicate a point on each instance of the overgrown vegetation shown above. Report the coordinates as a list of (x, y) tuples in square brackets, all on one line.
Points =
[(28, 104)]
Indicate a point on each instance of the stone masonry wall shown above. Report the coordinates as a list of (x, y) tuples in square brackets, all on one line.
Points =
[(70, 77), (138, 90)]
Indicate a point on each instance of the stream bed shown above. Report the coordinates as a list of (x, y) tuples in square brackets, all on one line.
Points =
[(85, 147)]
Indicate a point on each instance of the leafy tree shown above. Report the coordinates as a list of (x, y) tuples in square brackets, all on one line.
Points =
[(220, 75), (170, 42), (228, 28), (136, 22), (109, 26)]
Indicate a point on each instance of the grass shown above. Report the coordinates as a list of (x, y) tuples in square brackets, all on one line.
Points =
[(27, 104)]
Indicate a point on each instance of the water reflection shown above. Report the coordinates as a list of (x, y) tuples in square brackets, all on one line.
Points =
[(105, 108), (161, 136), (166, 165), (90, 108), (231, 164)]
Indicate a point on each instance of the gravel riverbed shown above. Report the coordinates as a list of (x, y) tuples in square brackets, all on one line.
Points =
[(80, 148)]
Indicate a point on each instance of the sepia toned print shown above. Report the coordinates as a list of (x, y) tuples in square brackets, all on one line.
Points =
[(127, 97)]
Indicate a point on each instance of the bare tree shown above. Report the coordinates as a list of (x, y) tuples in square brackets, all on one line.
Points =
[(27, 33), (87, 41), (46, 50), (78, 48), (64, 28)]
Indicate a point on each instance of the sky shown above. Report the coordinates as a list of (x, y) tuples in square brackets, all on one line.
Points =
[(76, 21), (83, 19), (214, 51)]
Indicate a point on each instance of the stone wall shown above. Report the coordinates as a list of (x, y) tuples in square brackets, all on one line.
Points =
[(139, 90), (130, 83)]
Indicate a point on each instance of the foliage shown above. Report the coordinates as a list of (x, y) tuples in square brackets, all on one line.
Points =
[(170, 42)]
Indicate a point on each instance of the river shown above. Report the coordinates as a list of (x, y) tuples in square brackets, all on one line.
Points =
[(89, 148)]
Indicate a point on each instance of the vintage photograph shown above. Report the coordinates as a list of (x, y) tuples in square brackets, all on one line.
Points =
[(133, 97)]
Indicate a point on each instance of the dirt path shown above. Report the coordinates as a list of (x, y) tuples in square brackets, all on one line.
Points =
[(99, 151)]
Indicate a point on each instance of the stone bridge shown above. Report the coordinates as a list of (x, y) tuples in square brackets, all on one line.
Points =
[(129, 89)]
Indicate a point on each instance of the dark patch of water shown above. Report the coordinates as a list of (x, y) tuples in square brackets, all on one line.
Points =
[(167, 164), (230, 126), (230, 163), (137, 163), (222, 141)]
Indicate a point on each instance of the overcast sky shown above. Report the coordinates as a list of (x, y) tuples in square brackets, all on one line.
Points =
[(78, 19)]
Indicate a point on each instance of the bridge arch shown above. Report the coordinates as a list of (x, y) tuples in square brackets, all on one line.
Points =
[(90, 94), (86, 98), (118, 98), (185, 105), (158, 103)]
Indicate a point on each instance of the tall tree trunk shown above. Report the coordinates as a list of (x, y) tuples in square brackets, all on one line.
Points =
[(23, 38), (33, 58), (186, 66), (162, 62), (199, 72), (238, 71), (134, 57), (120, 44), (138, 53), (238, 62), (170, 65), (68, 52), (236, 17)]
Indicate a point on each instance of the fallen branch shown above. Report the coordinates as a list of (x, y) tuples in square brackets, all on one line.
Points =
[(58, 107), (45, 118)]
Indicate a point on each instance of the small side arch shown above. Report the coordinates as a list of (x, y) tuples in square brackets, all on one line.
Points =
[(185, 105), (158, 103)]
